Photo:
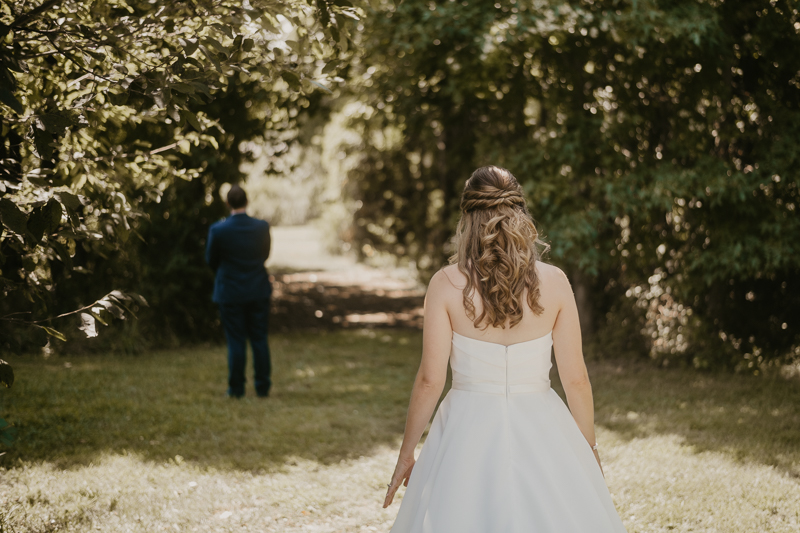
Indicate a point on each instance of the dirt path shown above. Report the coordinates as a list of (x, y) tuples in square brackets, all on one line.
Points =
[(317, 290)]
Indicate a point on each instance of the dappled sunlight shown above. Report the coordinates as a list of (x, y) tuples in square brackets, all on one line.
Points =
[(130, 493), (150, 443), (659, 483), (663, 483), (750, 419), (357, 297)]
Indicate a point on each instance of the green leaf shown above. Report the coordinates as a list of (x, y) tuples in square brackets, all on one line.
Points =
[(224, 29), (99, 56), (40, 181), (54, 333), (138, 298), (248, 44), (291, 78), (8, 98), (6, 374), (70, 200), (191, 119), (162, 97), (324, 14), (63, 254), (216, 45), (202, 87), (13, 218), (56, 123), (211, 57), (114, 309), (52, 211), (182, 87), (43, 142), (118, 295), (189, 46), (96, 314), (7, 79), (37, 224), (330, 67), (270, 24)]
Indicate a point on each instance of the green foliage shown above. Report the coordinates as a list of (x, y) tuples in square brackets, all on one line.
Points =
[(111, 105), (652, 138)]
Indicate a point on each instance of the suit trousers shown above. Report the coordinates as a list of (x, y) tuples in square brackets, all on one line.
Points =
[(243, 321)]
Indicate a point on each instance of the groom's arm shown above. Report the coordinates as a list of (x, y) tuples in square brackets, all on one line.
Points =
[(212, 250)]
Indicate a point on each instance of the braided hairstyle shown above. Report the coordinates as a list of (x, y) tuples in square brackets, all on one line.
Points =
[(496, 249)]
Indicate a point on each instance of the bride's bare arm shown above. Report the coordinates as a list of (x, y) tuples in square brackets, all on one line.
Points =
[(436, 339), (567, 345)]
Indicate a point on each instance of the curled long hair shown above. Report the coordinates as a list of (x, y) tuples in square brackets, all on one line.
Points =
[(497, 249)]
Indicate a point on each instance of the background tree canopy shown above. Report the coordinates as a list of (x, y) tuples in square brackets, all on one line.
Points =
[(120, 121), (657, 142)]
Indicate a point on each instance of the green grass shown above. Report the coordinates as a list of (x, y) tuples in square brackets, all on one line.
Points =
[(150, 443), (336, 396)]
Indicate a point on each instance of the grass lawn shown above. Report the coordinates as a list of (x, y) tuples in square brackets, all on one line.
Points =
[(150, 443)]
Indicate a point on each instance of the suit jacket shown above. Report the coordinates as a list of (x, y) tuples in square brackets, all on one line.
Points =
[(237, 249)]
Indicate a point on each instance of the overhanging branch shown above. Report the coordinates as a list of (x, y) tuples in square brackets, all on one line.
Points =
[(33, 13)]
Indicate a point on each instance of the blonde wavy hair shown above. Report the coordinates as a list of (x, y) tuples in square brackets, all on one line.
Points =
[(497, 249)]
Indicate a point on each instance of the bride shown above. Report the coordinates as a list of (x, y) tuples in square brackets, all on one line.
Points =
[(504, 454)]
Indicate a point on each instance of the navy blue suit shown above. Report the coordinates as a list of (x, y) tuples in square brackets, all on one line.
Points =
[(237, 249)]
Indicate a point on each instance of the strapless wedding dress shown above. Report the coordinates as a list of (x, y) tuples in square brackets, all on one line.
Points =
[(504, 454)]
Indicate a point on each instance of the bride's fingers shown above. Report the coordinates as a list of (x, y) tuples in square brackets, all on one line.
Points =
[(399, 477), (389, 495), (393, 486)]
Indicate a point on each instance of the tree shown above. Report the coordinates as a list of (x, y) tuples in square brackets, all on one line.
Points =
[(656, 141), (108, 105)]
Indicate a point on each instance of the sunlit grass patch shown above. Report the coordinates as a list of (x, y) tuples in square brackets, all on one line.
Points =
[(150, 443), (335, 397)]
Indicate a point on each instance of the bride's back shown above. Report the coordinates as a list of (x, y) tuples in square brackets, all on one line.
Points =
[(498, 290), (552, 285)]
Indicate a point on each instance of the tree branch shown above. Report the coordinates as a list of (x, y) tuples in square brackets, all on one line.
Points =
[(33, 13)]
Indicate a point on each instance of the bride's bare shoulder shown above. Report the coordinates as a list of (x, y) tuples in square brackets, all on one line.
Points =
[(448, 279), (553, 277), (454, 277)]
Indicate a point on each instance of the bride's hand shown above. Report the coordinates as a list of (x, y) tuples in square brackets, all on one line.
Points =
[(401, 474)]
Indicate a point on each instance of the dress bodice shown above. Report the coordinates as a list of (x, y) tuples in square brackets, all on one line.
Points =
[(488, 367)]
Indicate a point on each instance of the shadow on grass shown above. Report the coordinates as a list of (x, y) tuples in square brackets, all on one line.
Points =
[(335, 300), (339, 395), (748, 418), (336, 396)]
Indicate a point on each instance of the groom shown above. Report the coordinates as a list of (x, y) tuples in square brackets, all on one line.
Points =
[(237, 249)]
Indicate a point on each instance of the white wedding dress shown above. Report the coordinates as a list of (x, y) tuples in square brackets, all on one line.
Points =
[(504, 454)]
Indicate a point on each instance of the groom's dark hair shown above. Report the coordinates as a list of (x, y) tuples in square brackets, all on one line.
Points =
[(237, 198)]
